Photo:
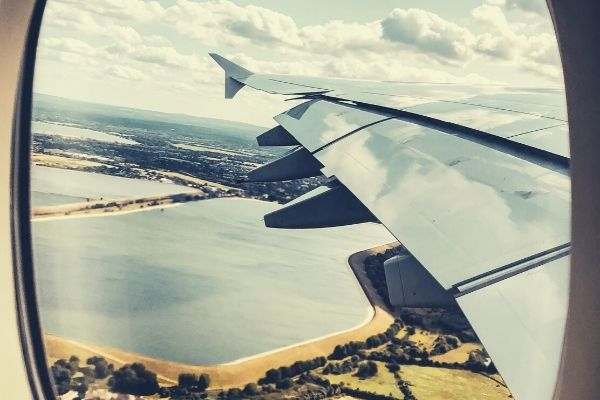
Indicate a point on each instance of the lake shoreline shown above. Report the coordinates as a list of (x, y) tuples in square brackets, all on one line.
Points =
[(238, 372), (113, 206)]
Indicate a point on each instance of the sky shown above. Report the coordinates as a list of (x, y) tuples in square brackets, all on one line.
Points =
[(154, 54)]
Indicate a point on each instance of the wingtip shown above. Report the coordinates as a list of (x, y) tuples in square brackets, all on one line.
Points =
[(231, 69)]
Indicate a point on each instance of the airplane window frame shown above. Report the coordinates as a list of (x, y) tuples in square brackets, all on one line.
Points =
[(30, 332), (23, 269)]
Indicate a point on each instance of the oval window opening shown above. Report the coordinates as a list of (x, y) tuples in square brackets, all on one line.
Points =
[(258, 199)]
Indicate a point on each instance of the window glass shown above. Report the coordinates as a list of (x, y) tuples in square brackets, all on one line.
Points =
[(156, 273)]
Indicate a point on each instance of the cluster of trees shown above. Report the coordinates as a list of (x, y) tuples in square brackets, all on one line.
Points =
[(479, 361), (444, 343), (63, 373), (393, 367), (102, 369), (404, 387), (351, 348), (177, 393), (363, 394), (189, 387), (282, 373), (344, 367), (192, 381), (407, 355), (367, 369), (328, 389), (250, 390), (475, 363), (342, 351), (133, 379), (448, 321)]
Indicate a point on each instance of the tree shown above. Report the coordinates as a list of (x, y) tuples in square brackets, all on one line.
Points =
[(203, 382), (367, 369), (273, 375), (251, 389), (81, 388), (234, 393), (187, 380), (393, 367), (102, 368), (61, 376), (284, 384), (134, 379), (74, 364), (285, 372)]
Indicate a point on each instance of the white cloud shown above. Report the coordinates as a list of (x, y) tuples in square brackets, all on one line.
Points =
[(534, 52), (369, 67), (494, 46), (166, 56), (124, 10), (73, 19), (428, 32), (125, 72), (533, 6), (224, 21), (68, 45), (163, 48), (157, 40), (339, 37)]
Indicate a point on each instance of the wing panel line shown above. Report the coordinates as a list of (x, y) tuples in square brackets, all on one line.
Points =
[(512, 269), (351, 133), (525, 152)]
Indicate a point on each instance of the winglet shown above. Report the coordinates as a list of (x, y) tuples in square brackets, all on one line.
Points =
[(234, 74)]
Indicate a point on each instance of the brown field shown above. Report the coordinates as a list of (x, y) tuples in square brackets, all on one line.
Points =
[(382, 383), (459, 355), (451, 384)]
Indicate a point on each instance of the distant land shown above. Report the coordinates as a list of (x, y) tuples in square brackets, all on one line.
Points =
[(81, 108), (143, 144)]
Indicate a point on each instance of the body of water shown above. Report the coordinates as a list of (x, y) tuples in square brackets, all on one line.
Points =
[(52, 186), (203, 282), (76, 132)]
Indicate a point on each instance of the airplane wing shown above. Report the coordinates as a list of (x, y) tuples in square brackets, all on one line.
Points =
[(472, 180)]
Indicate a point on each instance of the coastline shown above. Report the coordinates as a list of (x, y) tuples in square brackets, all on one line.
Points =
[(238, 372), (92, 214)]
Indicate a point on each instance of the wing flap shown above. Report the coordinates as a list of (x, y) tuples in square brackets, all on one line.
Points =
[(277, 136), (335, 206), (521, 323), (296, 164)]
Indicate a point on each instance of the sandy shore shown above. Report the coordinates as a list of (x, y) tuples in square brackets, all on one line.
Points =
[(114, 206), (249, 369)]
